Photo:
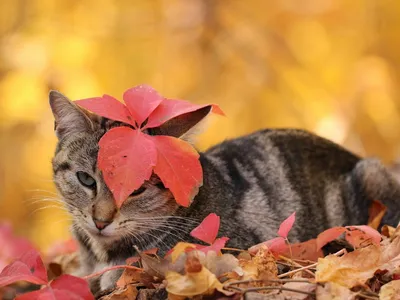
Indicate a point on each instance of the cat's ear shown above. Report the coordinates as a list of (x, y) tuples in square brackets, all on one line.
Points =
[(69, 118), (185, 126)]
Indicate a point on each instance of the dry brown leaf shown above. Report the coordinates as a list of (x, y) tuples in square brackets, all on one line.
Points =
[(64, 264), (390, 291), (127, 293), (129, 276), (333, 291), (351, 269), (376, 212), (388, 231), (266, 264)]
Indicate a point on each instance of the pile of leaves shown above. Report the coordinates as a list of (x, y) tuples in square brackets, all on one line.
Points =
[(367, 267)]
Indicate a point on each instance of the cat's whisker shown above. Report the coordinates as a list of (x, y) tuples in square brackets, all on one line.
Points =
[(46, 207), (43, 191), (146, 226), (144, 233)]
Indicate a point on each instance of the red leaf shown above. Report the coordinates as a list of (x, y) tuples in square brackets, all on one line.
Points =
[(362, 235), (207, 231), (29, 268), (304, 251), (141, 101), (77, 285), (178, 167), (276, 245), (65, 287), (286, 225), (108, 107), (216, 246), (329, 235), (126, 158), (170, 108), (12, 247)]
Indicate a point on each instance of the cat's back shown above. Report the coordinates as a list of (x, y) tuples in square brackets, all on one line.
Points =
[(293, 146), (272, 173)]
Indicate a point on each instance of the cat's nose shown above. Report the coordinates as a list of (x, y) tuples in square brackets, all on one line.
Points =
[(100, 225)]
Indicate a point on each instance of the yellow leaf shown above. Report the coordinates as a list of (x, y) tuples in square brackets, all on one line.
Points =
[(191, 284), (390, 291), (179, 249), (333, 291), (350, 269)]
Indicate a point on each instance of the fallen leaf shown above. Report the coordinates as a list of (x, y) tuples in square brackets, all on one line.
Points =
[(304, 251), (388, 231), (12, 247), (286, 226), (65, 287), (376, 212), (207, 231), (215, 247), (200, 282), (276, 245), (390, 291), (351, 269), (356, 235), (122, 293), (29, 268), (305, 287), (333, 291), (179, 249)]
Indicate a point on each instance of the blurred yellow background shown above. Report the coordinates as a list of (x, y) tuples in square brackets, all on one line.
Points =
[(331, 66)]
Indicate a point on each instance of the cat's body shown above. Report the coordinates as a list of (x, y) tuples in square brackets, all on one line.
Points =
[(253, 183)]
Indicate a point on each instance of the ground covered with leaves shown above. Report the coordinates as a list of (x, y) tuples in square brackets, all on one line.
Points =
[(363, 264)]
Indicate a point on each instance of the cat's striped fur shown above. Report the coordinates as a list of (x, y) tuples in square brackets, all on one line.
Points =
[(253, 183)]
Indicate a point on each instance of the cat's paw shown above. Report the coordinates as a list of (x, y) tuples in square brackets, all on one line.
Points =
[(109, 279)]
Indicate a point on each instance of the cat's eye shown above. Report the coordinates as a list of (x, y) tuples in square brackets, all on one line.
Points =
[(138, 191), (86, 180)]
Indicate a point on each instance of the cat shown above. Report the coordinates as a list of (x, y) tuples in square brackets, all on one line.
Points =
[(253, 183)]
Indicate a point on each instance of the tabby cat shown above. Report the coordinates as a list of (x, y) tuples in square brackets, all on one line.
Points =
[(253, 182)]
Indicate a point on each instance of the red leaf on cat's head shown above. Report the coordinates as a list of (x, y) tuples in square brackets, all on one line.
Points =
[(207, 231), (141, 102), (65, 287), (126, 158), (108, 107), (29, 268), (178, 167), (286, 225), (169, 109)]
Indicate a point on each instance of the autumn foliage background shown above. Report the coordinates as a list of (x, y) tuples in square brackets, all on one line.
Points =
[(331, 67)]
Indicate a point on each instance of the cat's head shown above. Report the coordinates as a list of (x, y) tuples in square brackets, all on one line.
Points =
[(81, 184)]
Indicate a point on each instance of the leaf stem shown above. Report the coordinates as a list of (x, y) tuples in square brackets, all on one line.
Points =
[(90, 276)]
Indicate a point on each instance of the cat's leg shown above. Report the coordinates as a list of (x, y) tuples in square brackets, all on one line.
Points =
[(377, 183)]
